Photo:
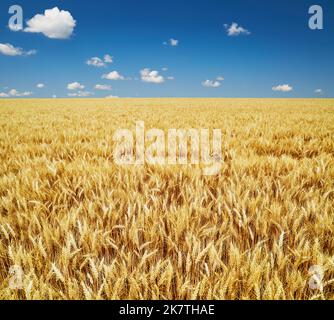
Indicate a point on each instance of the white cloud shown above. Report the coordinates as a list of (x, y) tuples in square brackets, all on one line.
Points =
[(54, 24), (235, 30), (98, 62), (164, 69), (283, 88), (172, 42), (151, 76), (211, 84), (103, 87), (95, 62), (114, 75), (15, 93), (30, 52), (75, 86), (108, 58), (170, 78), (220, 78), (40, 85), (80, 94), (111, 97), (318, 91), (9, 50), (24, 94)]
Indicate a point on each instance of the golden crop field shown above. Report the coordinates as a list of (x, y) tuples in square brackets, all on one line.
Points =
[(81, 227)]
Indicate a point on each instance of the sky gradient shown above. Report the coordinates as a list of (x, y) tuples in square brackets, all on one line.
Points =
[(187, 44)]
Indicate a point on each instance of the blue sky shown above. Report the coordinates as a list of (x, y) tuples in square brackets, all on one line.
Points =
[(274, 49)]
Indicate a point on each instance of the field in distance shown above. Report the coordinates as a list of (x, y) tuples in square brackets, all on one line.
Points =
[(75, 225)]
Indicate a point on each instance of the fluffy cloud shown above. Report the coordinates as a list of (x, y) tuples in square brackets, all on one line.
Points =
[(172, 42), (95, 62), (54, 24), (114, 75), (9, 50), (235, 30), (40, 85), (220, 78), (103, 87), (318, 91), (75, 86), (80, 94), (283, 88), (98, 62), (15, 93), (211, 84), (151, 76), (108, 58)]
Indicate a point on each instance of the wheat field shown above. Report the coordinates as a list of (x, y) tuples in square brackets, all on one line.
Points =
[(81, 227)]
